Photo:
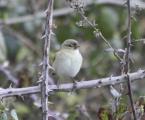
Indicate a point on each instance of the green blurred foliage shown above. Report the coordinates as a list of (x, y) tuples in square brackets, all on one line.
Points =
[(13, 46), (6, 109), (2, 48), (24, 56)]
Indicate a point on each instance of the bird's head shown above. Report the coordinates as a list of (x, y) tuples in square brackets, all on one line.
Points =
[(70, 44)]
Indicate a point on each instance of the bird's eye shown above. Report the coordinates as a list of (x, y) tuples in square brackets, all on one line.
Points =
[(69, 45), (74, 44)]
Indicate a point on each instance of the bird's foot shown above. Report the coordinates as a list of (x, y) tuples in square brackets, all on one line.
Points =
[(74, 85), (74, 88)]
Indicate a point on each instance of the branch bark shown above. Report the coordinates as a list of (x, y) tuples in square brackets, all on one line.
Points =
[(127, 59), (45, 68), (96, 83)]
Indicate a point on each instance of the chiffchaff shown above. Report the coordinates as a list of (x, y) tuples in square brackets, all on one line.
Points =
[(68, 59)]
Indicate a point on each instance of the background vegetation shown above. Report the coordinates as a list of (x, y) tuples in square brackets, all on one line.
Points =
[(21, 55)]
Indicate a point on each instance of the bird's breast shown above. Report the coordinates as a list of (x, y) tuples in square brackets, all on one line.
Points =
[(68, 63)]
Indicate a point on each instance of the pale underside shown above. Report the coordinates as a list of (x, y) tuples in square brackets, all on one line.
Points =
[(67, 63)]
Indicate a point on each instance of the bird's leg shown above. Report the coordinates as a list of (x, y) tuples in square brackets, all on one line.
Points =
[(74, 84), (58, 83)]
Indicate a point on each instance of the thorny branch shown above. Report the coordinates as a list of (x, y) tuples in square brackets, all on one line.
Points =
[(45, 68), (97, 83), (97, 33), (126, 65), (126, 60), (45, 88)]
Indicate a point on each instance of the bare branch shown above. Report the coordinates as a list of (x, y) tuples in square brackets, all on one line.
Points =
[(18, 91), (45, 70), (139, 40), (127, 59), (96, 31), (96, 83)]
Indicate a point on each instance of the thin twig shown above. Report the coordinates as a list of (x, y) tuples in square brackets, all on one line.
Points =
[(81, 12), (138, 40), (115, 50), (67, 87), (127, 60), (45, 69)]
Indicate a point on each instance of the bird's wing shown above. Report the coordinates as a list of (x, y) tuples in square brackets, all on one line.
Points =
[(54, 56)]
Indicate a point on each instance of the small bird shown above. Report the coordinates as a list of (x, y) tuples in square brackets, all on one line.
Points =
[(68, 59)]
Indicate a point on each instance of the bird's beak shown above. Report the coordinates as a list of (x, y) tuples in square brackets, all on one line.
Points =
[(78, 46)]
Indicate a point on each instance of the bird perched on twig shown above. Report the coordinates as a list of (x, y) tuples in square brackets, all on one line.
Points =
[(68, 59)]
